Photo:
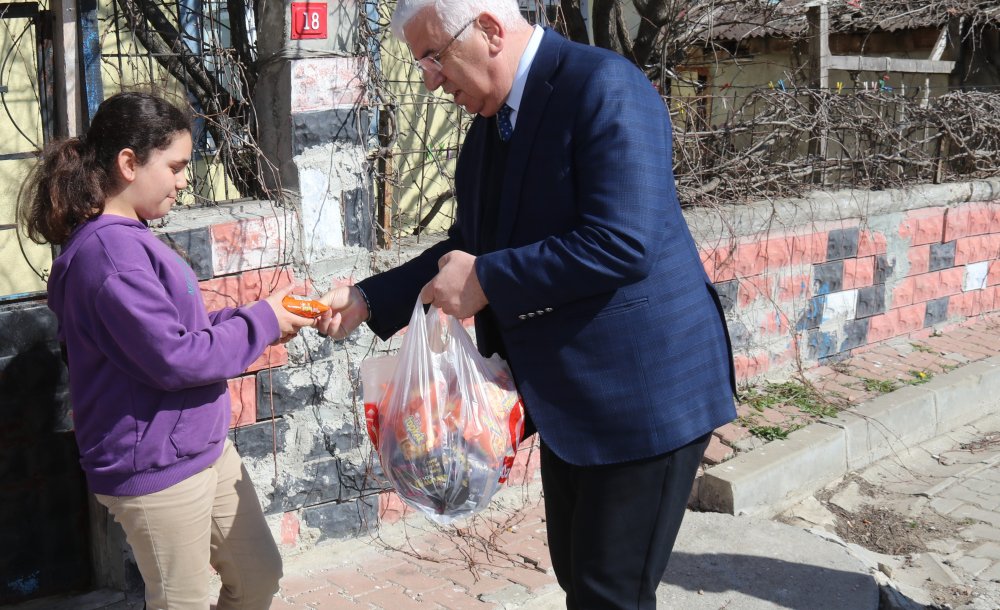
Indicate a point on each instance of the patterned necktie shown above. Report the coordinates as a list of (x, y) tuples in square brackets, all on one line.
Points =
[(503, 122)]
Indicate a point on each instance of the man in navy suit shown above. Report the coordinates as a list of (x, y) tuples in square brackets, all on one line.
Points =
[(570, 250)]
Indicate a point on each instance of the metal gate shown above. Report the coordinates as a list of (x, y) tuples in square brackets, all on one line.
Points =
[(25, 126)]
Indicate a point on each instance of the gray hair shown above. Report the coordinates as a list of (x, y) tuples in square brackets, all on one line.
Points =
[(454, 14)]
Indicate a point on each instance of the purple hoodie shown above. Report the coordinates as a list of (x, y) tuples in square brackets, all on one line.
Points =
[(147, 364)]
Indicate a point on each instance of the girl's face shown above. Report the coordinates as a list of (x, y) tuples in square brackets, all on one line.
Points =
[(158, 180), (150, 189)]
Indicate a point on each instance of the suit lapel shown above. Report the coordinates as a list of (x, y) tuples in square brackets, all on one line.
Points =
[(529, 115)]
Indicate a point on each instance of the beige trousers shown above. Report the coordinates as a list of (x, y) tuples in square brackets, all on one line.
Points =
[(212, 518)]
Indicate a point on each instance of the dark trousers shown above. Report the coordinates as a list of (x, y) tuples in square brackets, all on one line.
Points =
[(611, 528)]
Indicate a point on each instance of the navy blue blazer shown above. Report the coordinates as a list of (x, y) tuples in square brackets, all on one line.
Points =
[(611, 327)]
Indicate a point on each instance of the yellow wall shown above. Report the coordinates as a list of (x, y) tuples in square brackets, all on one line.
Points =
[(430, 129), (21, 132)]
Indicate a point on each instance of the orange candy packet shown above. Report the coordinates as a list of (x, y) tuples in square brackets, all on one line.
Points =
[(307, 308)]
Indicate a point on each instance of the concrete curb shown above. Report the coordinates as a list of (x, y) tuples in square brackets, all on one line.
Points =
[(768, 480)]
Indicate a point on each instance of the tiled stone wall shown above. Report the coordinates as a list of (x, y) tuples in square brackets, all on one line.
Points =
[(796, 296)]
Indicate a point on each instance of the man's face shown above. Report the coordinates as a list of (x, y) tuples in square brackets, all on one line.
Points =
[(467, 69)]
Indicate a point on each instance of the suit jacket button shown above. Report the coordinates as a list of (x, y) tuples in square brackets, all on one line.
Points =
[(522, 317), (540, 312), (531, 314), (548, 310)]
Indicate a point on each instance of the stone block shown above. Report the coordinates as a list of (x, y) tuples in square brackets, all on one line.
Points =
[(221, 292), (812, 315), (289, 389), (260, 440), (362, 479), (727, 294), (980, 218), (976, 248), (936, 312), (308, 484), (839, 306), (821, 344), (274, 355), (884, 268), (340, 520), (966, 394), (897, 420), (194, 246), (975, 276), (855, 334), (871, 242), (871, 301), (258, 284), (772, 477), (993, 278), (956, 223), (749, 259), (918, 259), (842, 243), (923, 226), (828, 277), (808, 249), (754, 288), (252, 243), (358, 210), (936, 284), (740, 335), (310, 129), (722, 264), (859, 272), (942, 256), (777, 252), (793, 287), (325, 83), (333, 440), (903, 292), (243, 401)]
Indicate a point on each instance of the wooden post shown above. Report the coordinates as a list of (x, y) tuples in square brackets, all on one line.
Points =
[(66, 57), (818, 15)]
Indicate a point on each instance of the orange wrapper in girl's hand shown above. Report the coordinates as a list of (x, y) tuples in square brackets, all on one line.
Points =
[(306, 308)]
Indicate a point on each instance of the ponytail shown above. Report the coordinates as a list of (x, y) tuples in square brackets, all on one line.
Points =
[(64, 190)]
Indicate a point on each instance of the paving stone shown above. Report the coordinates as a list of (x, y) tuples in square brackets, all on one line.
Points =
[(989, 550), (944, 506), (992, 573), (971, 565)]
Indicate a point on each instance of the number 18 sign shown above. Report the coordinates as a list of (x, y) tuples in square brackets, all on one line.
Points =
[(308, 20)]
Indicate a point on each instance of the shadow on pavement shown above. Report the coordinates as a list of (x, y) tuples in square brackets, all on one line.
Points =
[(749, 582)]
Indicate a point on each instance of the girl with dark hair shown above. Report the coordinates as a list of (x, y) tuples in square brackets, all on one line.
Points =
[(147, 364)]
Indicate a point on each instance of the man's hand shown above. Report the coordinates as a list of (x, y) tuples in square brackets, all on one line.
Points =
[(347, 311), (455, 289)]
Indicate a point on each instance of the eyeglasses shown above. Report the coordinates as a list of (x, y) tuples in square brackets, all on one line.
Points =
[(431, 64)]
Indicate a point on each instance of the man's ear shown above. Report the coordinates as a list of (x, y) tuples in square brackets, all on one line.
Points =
[(494, 31), (126, 163)]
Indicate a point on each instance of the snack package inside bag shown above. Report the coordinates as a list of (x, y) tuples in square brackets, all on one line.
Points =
[(444, 420)]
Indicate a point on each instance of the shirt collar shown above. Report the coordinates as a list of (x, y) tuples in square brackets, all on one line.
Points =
[(521, 76)]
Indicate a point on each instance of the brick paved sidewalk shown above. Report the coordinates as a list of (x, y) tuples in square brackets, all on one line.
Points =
[(500, 559), (867, 373), (497, 559)]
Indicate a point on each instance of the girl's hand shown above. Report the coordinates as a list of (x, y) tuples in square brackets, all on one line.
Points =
[(288, 323)]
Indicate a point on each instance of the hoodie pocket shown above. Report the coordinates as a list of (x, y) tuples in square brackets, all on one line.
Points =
[(202, 422)]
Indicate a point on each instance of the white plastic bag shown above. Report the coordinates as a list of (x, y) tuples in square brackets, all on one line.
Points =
[(444, 420)]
